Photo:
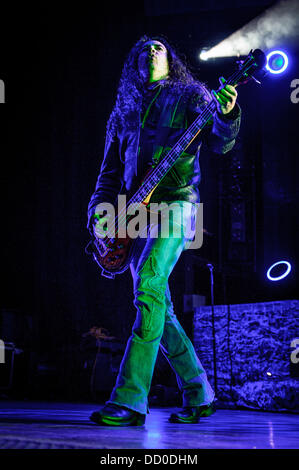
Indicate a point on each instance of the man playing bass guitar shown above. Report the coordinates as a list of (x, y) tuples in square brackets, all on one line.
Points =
[(157, 100)]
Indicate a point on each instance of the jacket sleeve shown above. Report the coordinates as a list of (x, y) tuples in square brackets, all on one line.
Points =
[(219, 133), (221, 136), (110, 178)]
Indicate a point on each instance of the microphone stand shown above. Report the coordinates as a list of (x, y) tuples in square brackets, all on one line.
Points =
[(211, 267)]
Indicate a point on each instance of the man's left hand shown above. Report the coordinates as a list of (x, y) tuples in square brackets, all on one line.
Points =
[(225, 97)]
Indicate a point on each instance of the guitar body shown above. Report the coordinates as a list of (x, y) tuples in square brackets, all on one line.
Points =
[(112, 255)]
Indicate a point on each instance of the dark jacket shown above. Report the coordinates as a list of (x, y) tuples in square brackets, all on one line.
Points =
[(119, 169)]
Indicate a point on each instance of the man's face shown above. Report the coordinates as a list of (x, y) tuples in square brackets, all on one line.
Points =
[(153, 62)]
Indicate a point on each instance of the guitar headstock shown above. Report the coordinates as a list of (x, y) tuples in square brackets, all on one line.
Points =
[(253, 64)]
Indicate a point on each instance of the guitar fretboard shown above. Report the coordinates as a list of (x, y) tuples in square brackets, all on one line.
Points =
[(172, 156)]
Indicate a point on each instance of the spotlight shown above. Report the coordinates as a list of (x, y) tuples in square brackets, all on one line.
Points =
[(278, 278), (204, 54), (276, 25), (277, 62)]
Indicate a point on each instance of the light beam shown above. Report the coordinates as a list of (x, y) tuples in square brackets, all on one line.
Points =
[(266, 32)]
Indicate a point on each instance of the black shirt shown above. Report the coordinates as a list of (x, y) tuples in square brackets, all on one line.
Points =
[(150, 113)]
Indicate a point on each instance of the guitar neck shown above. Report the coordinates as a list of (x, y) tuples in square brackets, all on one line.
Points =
[(160, 170)]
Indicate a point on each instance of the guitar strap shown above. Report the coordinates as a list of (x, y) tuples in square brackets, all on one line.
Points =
[(171, 117)]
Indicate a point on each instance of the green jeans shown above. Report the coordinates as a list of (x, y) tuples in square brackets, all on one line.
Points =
[(156, 325)]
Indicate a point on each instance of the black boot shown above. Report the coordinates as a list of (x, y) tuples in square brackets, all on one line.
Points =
[(115, 415), (192, 414)]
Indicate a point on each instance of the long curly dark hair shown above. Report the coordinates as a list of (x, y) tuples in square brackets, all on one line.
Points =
[(131, 88)]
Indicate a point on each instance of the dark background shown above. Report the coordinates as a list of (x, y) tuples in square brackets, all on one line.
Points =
[(61, 67)]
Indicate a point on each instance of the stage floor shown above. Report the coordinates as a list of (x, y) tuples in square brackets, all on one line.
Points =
[(44, 425)]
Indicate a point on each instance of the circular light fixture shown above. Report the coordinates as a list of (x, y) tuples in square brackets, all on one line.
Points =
[(277, 62), (278, 278)]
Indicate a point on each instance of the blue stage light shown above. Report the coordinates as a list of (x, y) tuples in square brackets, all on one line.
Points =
[(277, 278), (277, 62)]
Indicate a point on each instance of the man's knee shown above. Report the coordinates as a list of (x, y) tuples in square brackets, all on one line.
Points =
[(150, 299), (149, 280)]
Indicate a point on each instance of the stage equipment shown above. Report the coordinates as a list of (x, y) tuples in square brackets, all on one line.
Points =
[(256, 347), (102, 355)]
